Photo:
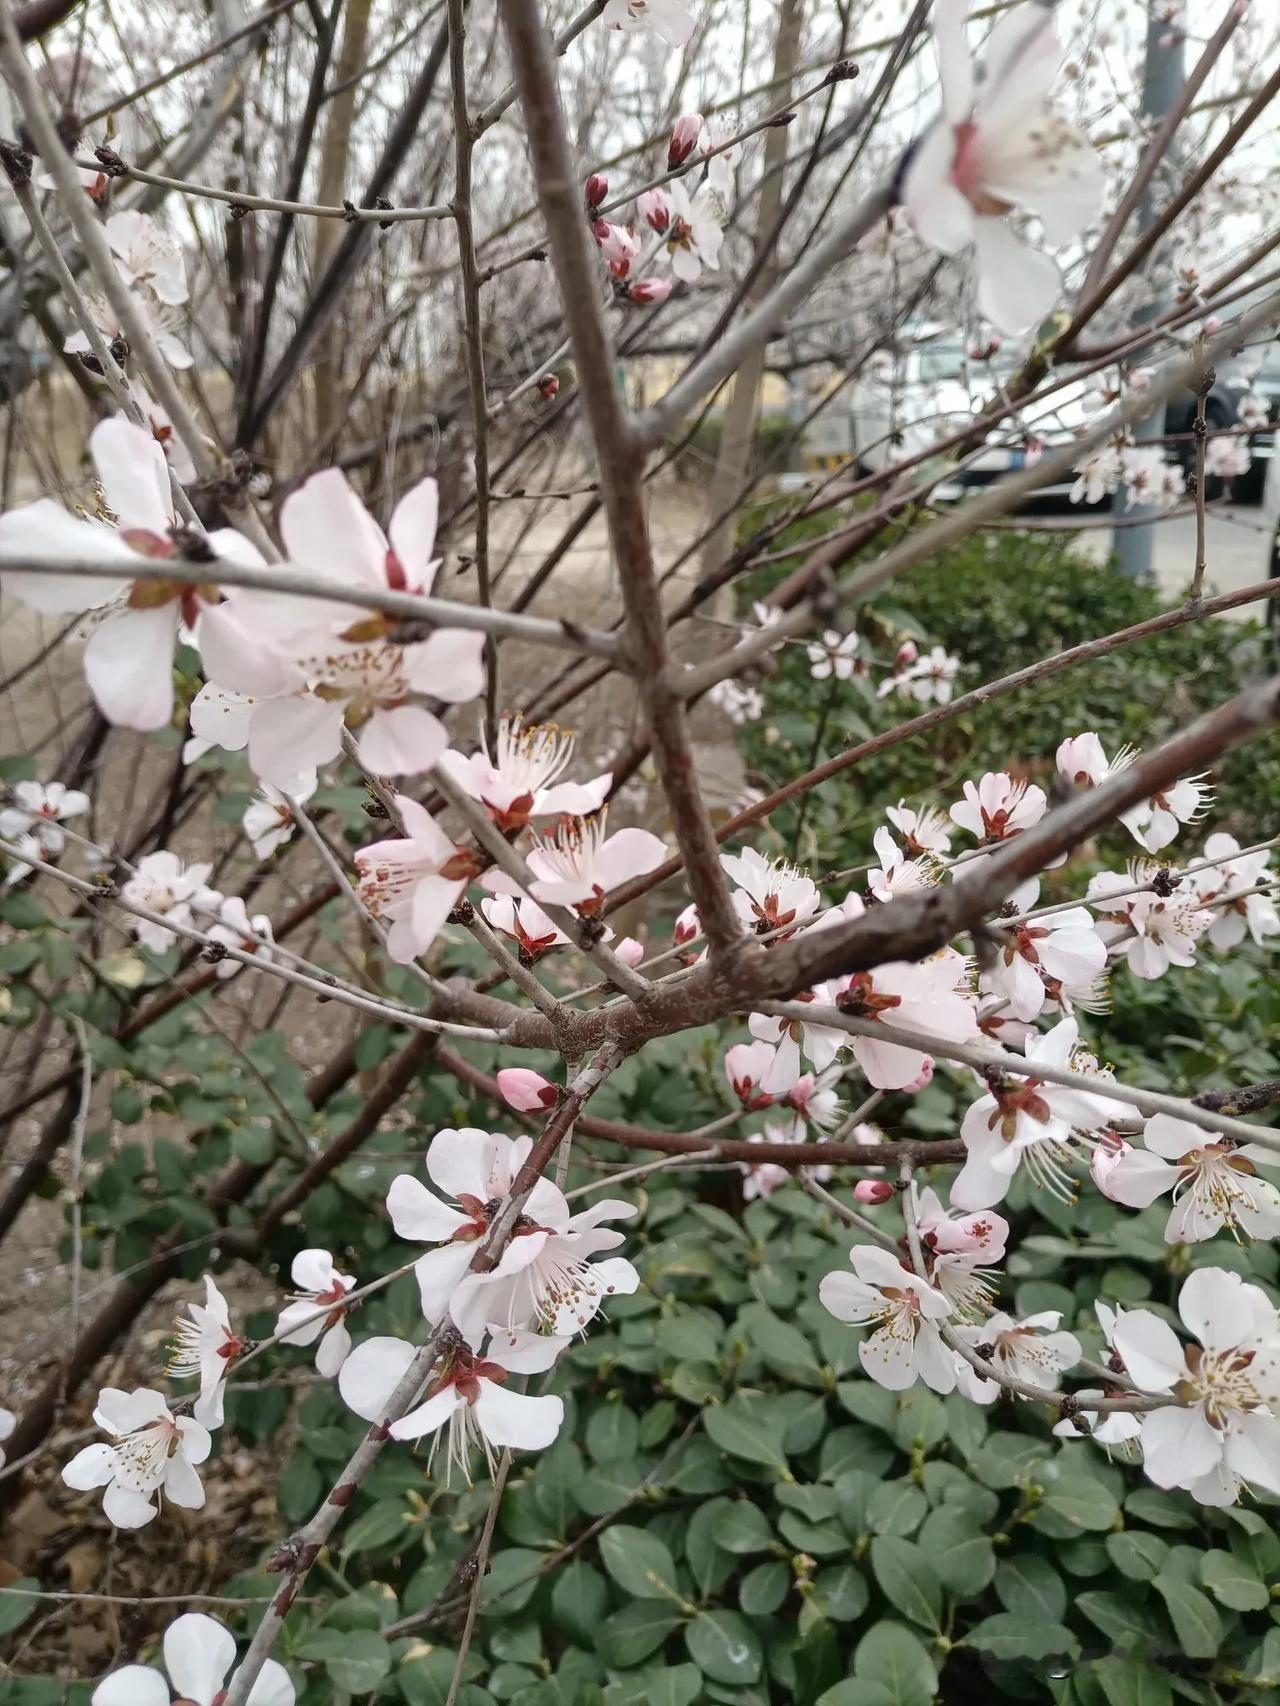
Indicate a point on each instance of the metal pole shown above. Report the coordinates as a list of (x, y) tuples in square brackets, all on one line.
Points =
[(1163, 76)]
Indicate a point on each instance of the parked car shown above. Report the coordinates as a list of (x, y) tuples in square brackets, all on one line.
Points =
[(1233, 380), (926, 388)]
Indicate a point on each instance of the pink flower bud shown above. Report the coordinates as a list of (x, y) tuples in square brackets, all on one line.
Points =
[(528, 1091), (688, 924), (597, 188), (654, 210), (618, 247), (926, 1077), (600, 229), (629, 951), (548, 387), (906, 653), (872, 1191), (684, 139), (651, 290)]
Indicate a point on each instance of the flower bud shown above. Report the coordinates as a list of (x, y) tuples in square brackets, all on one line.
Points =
[(600, 229), (651, 290), (906, 653), (528, 1091), (684, 139), (629, 951), (872, 1191), (654, 210), (597, 188), (548, 387), (688, 924), (618, 247)]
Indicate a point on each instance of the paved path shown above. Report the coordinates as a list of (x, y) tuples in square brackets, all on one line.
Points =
[(1237, 551)]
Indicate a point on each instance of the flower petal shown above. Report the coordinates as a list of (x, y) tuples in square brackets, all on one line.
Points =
[(135, 1685), (128, 664), (198, 1653), (371, 1374)]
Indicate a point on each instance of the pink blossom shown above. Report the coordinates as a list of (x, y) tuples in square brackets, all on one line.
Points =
[(997, 147), (310, 664), (629, 951), (1081, 759), (596, 190), (128, 658), (654, 209), (414, 881), (1227, 458), (684, 139), (520, 779), (619, 248), (925, 996), (526, 1090), (999, 807), (872, 1191), (647, 290), (746, 1066), (527, 925), (581, 864), (666, 18), (696, 230)]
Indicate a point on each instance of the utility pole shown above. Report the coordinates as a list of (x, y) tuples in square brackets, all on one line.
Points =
[(1162, 79)]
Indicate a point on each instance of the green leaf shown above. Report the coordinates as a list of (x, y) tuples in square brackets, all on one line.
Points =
[(1075, 1503), (1137, 1554), (511, 1582), (963, 1561), (763, 1590), (724, 1647), (630, 1635), (907, 1580), (891, 1655), (1195, 1622), (783, 1347), (896, 1507), (1233, 1583), (709, 1564), (817, 1662), (555, 1483), (1007, 1636), (378, 1526), (355, 1659), (666, 1685), (841, 1593), (857, 1691), (579, 1599), (612, 1433), (1132, 1682), (16, 1605), (1120, 1616), (1030, 1587), (820, 1539), (742, 1528), (744, 1428), (1161, 1510), (638, 1561)]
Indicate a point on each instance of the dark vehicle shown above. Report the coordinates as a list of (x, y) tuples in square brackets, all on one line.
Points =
[(1232, 382)]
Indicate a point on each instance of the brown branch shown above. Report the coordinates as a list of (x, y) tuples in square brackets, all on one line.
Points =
[(927, 721), (295, 1558), (925, 1152), (620, 461)]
